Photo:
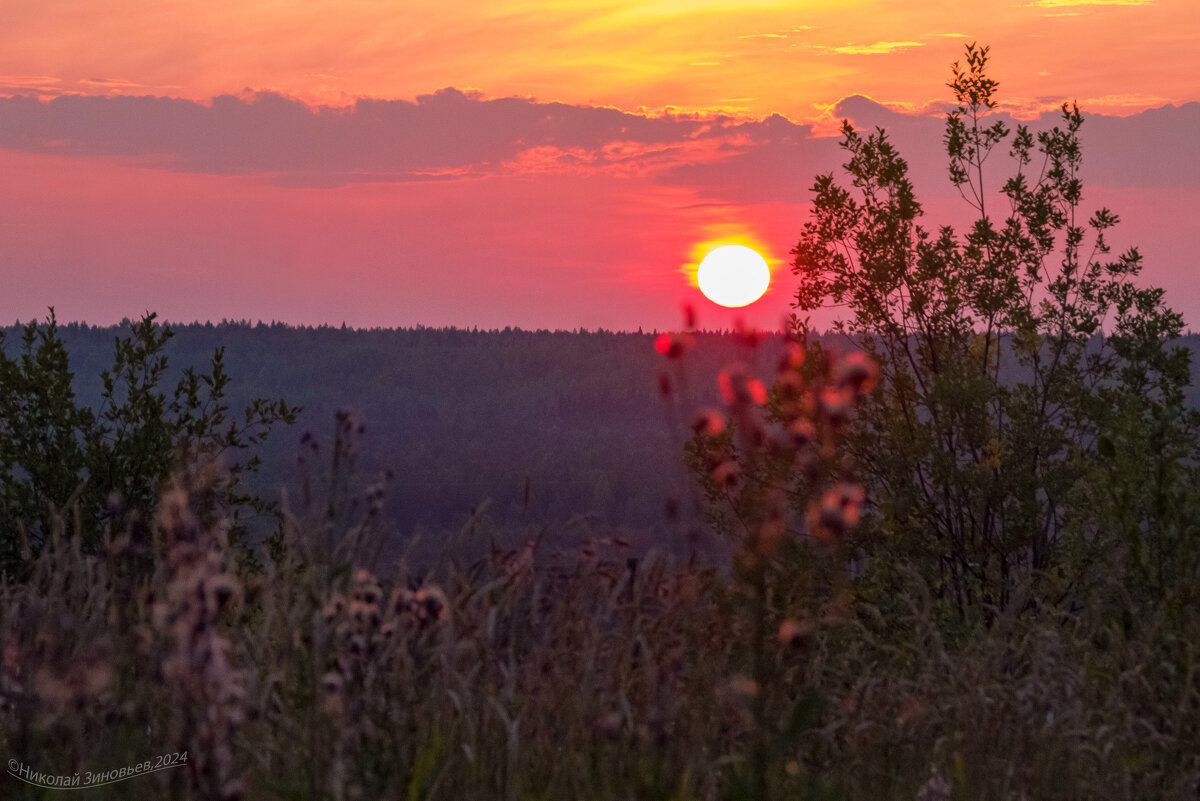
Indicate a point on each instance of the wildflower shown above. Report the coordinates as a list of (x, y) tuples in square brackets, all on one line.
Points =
[(793, 357), (838, 509), (366, 588), (794, 632), (727, 473), (674, 345), (334, 608), (708, 423), (738, 389), (802, 432), (430, 605), (836, 405), (857, 372), (401, 601), (175, 516), (365, 615)]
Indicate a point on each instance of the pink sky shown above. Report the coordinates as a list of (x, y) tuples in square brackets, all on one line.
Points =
[(310, 162)]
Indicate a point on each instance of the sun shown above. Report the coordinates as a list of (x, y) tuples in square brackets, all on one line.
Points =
[(733, 275)]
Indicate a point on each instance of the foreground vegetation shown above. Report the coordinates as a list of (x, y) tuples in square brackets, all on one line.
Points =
[(940, 582)]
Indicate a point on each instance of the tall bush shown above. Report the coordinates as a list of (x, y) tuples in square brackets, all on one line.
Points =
[(1021, 361)]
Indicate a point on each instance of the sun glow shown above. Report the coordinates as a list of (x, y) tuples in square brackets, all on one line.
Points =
[(733, 275)]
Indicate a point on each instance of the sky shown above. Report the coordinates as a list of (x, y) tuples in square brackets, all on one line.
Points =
[(554, 164)]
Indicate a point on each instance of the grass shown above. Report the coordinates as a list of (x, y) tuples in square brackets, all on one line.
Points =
[(592, 673)]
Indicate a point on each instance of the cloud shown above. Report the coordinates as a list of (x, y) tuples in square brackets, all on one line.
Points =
[(111, 85), (452, 135), (875, 49), (1066, 3), (777, 159), (770, 161), (266, 132), (29, 83)]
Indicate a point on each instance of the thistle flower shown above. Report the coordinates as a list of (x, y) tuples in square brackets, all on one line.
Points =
[(836, 405), (334, 608), (856, 371), (401, 601), (430, 605), (366, 588), (674, 345), (738, 388), (837, 511), (793, 357), (175, 514), (727, 473), (708, 423), (802, 432), (366, 615)]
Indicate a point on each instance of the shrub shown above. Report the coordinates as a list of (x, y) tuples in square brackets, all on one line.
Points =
[(108, 466)]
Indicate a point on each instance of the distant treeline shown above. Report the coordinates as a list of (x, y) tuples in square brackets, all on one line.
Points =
[(548, 426)]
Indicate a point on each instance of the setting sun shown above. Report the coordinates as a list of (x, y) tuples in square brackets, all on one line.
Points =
[(733, 275)]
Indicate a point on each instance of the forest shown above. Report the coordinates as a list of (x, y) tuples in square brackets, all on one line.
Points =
[(571, 425)]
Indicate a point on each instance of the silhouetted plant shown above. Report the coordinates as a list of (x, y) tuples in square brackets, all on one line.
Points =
[(778, 482), (109, 465), (1013, 358)]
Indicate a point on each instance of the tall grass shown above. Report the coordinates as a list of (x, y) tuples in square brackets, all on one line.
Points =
[(590, 673)]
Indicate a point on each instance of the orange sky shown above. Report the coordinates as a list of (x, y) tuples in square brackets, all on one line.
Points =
[(496, 220), (750, 56)]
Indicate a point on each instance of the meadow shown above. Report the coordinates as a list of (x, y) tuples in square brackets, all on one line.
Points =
[(948, 551), (569, 667)]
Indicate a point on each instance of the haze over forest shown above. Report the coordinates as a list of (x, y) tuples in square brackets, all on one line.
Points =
[(548, 427)]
